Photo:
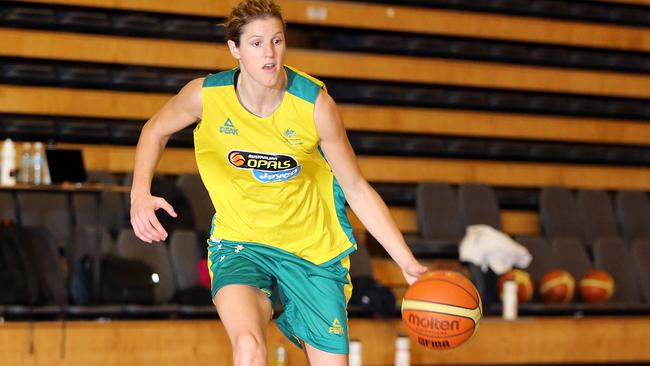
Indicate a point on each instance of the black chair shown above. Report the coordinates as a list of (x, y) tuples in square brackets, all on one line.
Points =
[(613, 256), (439, 220), (89, 244), (598, 217), (48, 210), (633, 214), (542, 262), (570, 255), (165, 187), (641, 257), (155, 255), (184, 251), (559, 213), (198, 199), (7, 207), (478, 205)]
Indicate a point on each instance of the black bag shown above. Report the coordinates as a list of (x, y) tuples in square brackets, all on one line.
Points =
[(18, 281), (43, 252), (81, 280), (126, 281), (369, 296), (196, 295)]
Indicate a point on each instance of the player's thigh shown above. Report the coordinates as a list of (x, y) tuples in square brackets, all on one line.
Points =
[(243, 309), (317, 357)]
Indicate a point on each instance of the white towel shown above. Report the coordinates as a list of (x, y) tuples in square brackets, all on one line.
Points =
[(488, 247)]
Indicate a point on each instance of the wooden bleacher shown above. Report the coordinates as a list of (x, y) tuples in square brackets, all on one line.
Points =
[(119, 159), (546, 340), (411, 19), (139, 105), (184, 54)]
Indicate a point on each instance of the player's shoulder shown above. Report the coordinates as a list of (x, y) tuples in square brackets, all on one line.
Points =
[(223, 78), (303, 85)]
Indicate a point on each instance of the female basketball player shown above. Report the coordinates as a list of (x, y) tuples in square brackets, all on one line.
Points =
[(273, 154)]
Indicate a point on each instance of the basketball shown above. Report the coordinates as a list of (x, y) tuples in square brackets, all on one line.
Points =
[(237, 159), (441, 310), (557, 286), (596, 286), (524, 284)]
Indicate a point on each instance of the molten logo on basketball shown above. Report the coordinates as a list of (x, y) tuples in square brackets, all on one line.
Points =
[(433, 344), (433, 323)]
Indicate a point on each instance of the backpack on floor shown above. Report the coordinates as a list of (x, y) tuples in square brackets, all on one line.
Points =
[(43, 253), (126, 281), (372, 297), (19, 284), (81, 280)]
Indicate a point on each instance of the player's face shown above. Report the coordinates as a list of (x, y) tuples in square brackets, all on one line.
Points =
[(261, 51)]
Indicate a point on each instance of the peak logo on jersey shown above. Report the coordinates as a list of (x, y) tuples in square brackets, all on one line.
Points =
[(336, 327), (228, 128), (266, 168)]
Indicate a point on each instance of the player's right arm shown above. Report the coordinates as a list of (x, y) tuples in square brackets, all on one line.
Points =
[(179, 112)]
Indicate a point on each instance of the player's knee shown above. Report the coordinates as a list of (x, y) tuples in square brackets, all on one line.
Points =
[(250, 350)]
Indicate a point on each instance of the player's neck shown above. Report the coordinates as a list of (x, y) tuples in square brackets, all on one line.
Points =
[(259, 99)]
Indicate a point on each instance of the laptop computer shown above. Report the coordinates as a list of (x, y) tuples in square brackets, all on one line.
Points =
[(66, 165)]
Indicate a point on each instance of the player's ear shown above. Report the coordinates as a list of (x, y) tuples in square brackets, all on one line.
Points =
[(234, 50)]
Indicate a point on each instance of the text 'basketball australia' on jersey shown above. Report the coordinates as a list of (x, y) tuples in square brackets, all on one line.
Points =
[(267, 177)]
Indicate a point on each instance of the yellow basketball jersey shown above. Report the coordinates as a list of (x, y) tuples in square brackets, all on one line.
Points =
[(267, 177)]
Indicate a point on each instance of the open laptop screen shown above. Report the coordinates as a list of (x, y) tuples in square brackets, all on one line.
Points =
[(66, 165)]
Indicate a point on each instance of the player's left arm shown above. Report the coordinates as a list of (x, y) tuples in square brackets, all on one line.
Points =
[(362, 198)]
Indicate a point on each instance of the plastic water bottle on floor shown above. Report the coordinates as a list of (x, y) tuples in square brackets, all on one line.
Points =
[(37, 163), (281, 356), (510, 303), (26, 164), (355, 353), (402, 351), (8, 167)]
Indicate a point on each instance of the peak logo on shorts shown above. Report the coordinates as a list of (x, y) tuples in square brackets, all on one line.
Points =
[(265, 167)]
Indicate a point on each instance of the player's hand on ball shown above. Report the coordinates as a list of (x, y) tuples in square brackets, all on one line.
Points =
[(413, 270), (143, 217)]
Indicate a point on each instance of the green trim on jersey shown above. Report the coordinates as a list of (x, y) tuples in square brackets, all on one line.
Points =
[(339, 201), (302, 87), (223, 78)]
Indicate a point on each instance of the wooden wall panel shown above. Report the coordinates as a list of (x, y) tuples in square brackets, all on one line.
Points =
[(134, 105), (528, 340), (119, 159), (412, 19), (154, 52), (514, 222)]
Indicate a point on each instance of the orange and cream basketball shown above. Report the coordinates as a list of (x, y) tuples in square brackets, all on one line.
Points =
[(524, 284), (596, 286), (441, 310), (557, 286)]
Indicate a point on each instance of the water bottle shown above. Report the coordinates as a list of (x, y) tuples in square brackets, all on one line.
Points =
[(46, 165), (402, 351), (510, 303), (355, 353), (8, 168), (37, 163), (26, 164), (281, 356)]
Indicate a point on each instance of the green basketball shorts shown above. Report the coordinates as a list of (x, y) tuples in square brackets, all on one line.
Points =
[(314, 296)]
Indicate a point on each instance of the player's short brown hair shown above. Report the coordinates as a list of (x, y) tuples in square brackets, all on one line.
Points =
[(247, 11)]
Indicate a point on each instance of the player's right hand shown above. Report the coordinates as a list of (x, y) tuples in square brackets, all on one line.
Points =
[(143, 217)]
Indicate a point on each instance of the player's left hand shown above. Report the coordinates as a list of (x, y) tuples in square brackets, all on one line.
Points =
[(413, 270)]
